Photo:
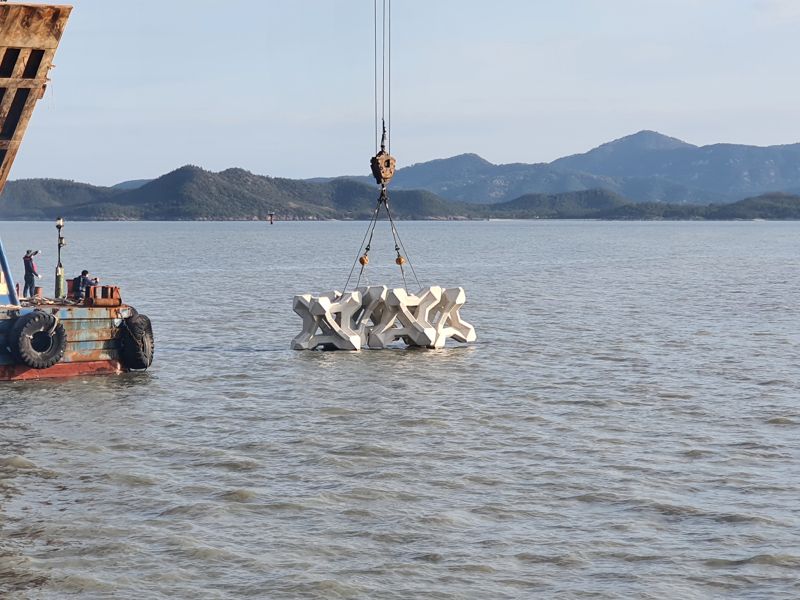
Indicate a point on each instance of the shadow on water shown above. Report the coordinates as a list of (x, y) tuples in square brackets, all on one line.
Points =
[(99, 384), (392, 353), (79, 400), (388, 362)]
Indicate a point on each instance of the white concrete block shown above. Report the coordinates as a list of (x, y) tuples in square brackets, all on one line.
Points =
[(376, 317), (447, 317), (328, 321), (406, 317)]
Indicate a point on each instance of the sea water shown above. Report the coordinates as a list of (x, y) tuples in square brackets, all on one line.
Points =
[(627, 424)]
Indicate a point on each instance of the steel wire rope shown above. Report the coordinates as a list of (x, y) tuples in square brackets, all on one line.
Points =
[(373, 221), (371, 226), (369, 245), (383, 65), (389, 83), (405, 253), (387, 4), (366, 233), (375, 68), (385, 101)]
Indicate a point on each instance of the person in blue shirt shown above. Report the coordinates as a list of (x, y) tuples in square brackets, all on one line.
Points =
[(82, 283), (31, 274)]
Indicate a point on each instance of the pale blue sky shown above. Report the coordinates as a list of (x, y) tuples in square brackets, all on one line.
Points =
[(284, 87)]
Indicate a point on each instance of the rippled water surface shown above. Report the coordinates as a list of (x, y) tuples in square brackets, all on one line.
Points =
[(626, 426)]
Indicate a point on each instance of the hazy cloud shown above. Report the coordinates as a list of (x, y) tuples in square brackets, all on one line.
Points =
[(779, 11)]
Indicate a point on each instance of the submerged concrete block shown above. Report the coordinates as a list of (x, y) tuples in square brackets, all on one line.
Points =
[(373, 305), (447, 317), (406, 317), (328, 321), (376, 317)]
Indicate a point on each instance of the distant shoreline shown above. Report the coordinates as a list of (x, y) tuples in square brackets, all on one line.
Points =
[(426, 220), (194, 194)]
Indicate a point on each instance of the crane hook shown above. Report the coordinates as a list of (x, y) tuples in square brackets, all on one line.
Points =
[(383, 163)]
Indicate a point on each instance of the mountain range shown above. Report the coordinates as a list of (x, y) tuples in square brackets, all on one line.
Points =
[(644, 175), (643, 167)]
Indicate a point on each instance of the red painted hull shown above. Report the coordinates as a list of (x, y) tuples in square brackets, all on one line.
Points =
[(72, 369)]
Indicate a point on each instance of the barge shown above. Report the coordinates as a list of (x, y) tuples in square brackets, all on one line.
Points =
[(71, 334)]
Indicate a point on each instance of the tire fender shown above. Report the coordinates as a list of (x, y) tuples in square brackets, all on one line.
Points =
[(137, 342), (37, 340)]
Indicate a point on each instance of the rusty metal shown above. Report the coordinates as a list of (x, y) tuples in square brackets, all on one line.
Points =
[(383, 163), (29, 36), (103, 295), (62, 369), (93, 341)]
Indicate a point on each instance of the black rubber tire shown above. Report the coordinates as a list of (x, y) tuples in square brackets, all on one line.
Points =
[(138, 344), (33, 341)]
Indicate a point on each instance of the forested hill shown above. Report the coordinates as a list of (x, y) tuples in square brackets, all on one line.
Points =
[(646, 167), (599, 204), (191, 193)]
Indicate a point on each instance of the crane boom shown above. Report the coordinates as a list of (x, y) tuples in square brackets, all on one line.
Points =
[(29, 37)]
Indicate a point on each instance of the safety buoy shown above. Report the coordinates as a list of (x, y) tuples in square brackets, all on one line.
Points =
[(37, 340), (138, 344)]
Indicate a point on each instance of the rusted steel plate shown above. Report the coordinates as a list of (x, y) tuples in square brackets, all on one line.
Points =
[(81, 335), (89, 324), (84, 312), (73, 347), (92, 332), (92, 335), (106, 315), (90, 355), (74, 369), (79, 352)]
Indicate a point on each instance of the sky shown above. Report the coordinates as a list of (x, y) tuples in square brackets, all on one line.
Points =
[(285, 87)]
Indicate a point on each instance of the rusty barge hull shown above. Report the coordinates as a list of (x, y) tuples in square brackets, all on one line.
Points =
[(93, 342), (99, 334)]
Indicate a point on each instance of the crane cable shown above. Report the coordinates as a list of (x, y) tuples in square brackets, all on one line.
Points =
[(382, 163)]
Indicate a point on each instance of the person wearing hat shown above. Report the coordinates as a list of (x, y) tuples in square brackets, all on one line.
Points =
[(30, 273)]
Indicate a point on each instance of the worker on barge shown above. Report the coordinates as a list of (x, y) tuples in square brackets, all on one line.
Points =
[(82, 283), (31, 274)]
